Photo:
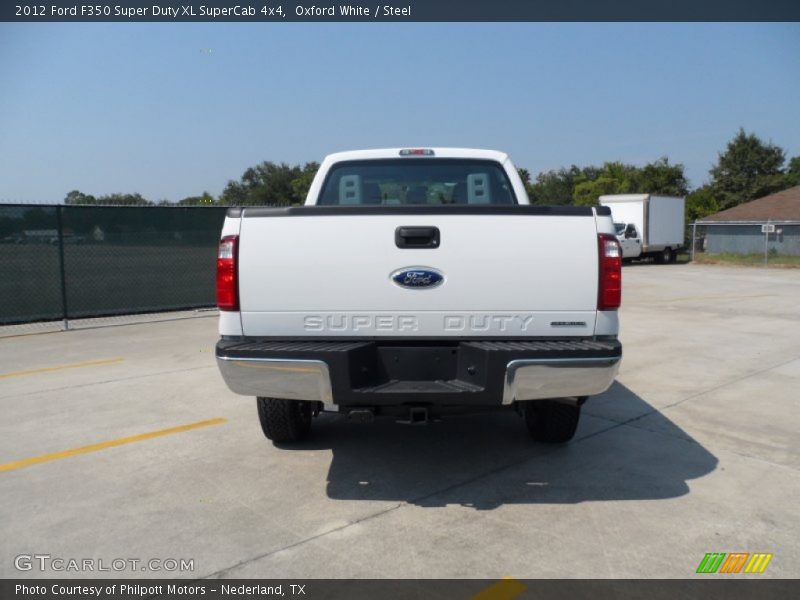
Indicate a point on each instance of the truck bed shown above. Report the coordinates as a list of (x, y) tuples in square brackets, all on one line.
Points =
[(508, 271)]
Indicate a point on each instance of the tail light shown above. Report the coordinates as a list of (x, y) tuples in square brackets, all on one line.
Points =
[(609, 289), (227, 273)]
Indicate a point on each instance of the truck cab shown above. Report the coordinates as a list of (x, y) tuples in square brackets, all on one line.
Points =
[(629, 239)]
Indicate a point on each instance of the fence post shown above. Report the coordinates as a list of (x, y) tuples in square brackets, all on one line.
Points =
[(62, 271), (766, 242), (694, 237)]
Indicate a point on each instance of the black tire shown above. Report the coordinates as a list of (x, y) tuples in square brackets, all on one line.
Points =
[(284, 420), (665, 256), (551, 421)]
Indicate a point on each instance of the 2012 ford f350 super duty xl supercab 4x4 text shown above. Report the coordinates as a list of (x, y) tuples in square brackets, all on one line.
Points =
[(413, 283)]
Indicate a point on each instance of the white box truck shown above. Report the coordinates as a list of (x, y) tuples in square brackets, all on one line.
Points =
[(647, 226)]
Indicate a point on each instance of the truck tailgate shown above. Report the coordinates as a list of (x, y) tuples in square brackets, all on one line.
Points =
[(517, 272)]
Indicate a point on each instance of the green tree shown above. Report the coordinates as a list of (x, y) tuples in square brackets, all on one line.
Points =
[(205, 200), (302, 183), (267, 183), (586, 193), (748, 169), (77, 197), (660, 177), (700, 203), (621, 178), (793, 172), (583, 185), (124, 200), (556, 187), (525, 176)]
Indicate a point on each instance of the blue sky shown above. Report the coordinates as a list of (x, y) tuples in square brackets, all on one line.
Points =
[(148, 108)]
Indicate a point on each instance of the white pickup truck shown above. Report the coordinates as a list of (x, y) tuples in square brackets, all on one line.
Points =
[(416, 283)]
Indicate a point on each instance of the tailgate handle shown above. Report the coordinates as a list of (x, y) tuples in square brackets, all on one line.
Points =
[(416, 237)]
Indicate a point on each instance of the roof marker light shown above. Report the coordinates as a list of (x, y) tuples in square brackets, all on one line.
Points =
[(416, 152)]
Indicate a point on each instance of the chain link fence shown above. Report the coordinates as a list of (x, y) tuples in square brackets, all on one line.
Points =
[(66, 262), (768, 243), (71, 262)]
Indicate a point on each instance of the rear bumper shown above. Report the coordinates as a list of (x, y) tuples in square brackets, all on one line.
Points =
[(457, 373), (537, 379)]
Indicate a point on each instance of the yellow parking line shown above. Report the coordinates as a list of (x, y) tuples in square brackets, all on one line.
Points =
[(505, 589), (19, 464), (88, 363)]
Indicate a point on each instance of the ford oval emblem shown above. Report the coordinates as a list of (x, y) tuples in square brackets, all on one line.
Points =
[(418, 278)]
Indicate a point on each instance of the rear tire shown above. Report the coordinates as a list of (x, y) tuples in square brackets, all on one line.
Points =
[(551, 421), (284, 420), (664, 257)]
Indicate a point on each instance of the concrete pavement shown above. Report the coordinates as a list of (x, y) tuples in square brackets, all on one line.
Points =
[(695, 449)]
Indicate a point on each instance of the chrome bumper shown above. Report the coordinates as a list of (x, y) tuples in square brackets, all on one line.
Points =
[(525, 379), (542, 378), (277, 378)]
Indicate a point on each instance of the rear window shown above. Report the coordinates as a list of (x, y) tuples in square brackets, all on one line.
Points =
[(406, 181)]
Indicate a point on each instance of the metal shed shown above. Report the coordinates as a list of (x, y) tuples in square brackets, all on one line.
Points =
[(768, 225)]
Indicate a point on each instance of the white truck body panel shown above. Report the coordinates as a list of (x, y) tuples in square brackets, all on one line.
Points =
[(665, 222), (497, 279)]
